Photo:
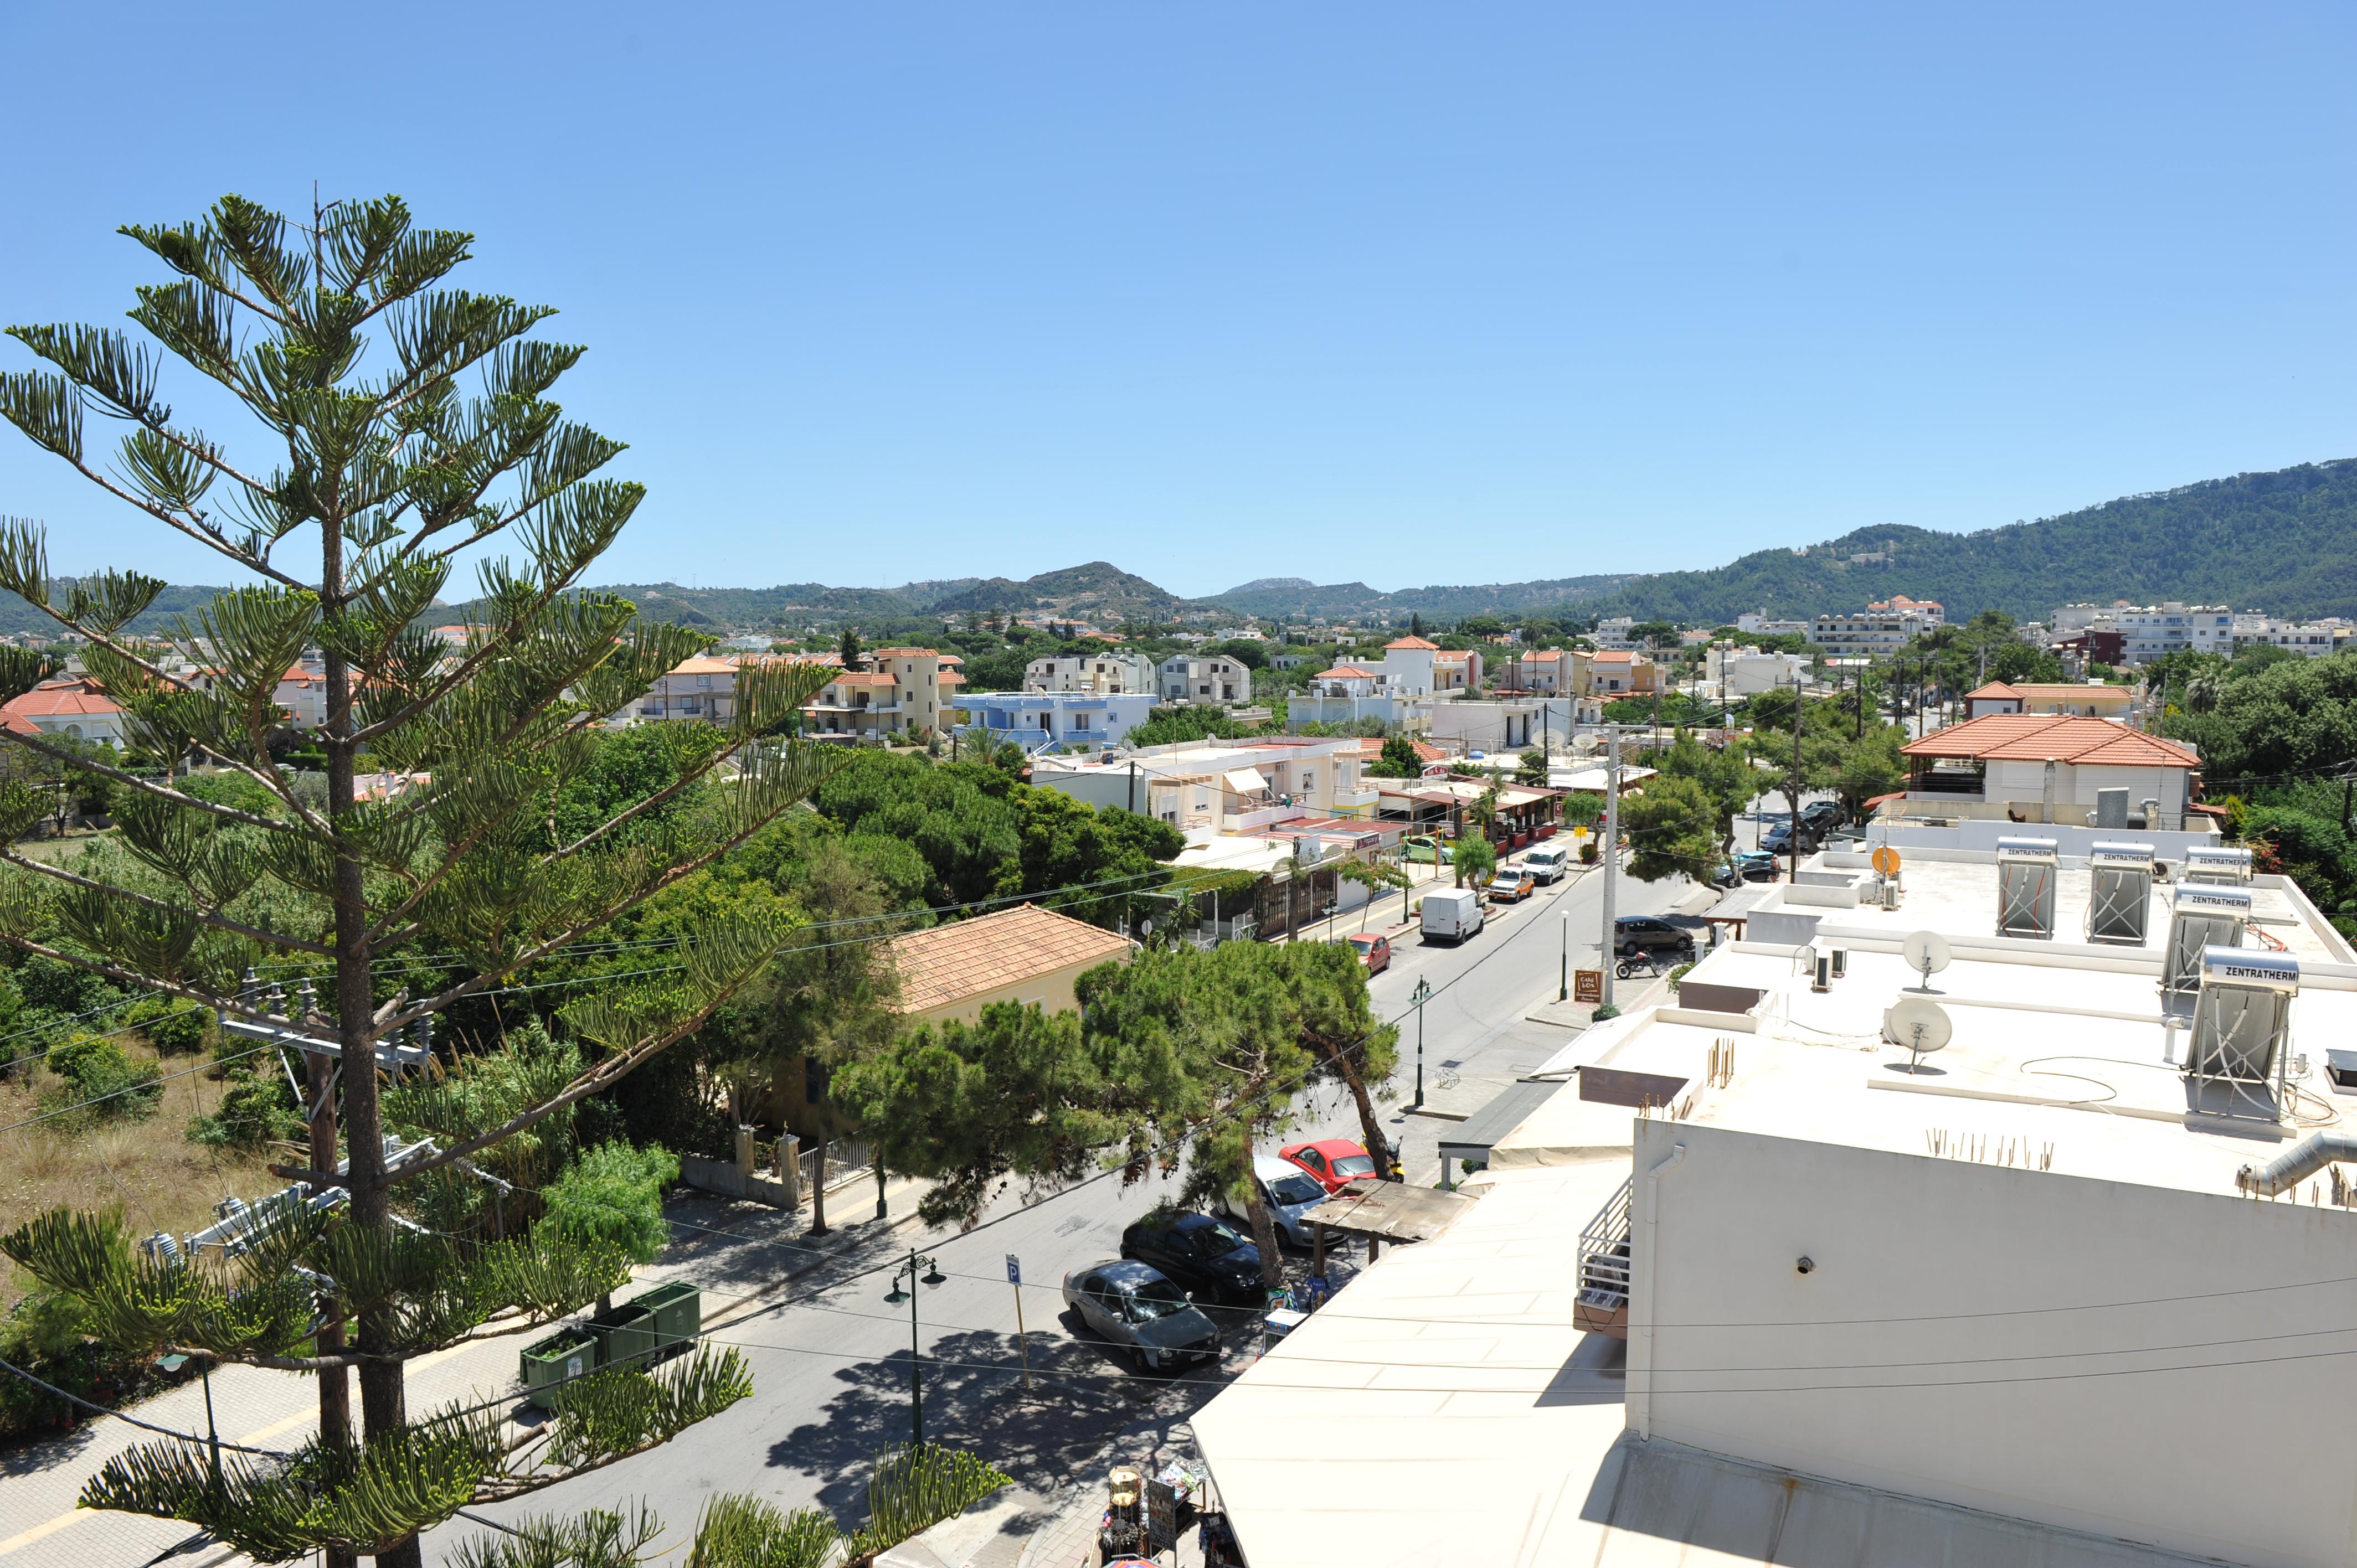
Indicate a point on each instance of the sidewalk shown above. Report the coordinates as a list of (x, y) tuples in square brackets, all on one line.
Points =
[(743, 1254)]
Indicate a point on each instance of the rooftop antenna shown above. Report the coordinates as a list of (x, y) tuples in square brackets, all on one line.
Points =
[(1926, 953), (1920, 1024)]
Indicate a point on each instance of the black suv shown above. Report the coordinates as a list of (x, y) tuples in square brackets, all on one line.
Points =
[(1824, 816), (1635, 934), (1204, 1253)]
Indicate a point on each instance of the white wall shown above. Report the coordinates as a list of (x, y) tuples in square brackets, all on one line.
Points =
[(2253, 1462)]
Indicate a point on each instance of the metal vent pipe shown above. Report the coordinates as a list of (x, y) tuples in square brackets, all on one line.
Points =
[(2297, 1164)]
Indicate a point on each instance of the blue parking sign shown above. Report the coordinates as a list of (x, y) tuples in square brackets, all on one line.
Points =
[(1014, 1270)]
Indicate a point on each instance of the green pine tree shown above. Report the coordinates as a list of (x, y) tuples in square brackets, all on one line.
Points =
[(407, 423)]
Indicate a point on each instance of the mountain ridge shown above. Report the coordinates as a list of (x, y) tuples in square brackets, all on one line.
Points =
[(2284, 540)]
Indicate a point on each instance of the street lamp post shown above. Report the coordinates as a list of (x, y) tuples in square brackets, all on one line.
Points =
[(1563, 969), (1418, 997), (932, 1276)]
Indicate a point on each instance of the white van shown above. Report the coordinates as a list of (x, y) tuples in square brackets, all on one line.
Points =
[(1548, 863), (1451, 914)]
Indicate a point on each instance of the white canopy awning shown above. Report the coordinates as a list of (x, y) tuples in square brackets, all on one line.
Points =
[(1244, 780)]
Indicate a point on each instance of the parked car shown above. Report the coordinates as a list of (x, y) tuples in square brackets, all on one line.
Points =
[(1510, 884), (1137, 1308), (1424, 847), (1202, 1251), (1824, 816), (1451, 914), (1755, 865), (1778, 839), (1335, 1161), (1550, 863), (1635, 934), (1375, 952), (1287, 1192)]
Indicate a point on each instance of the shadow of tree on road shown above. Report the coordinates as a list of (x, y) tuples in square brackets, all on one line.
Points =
[(1080, 1402)]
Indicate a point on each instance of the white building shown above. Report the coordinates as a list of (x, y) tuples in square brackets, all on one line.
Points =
[(1213, 680), (2151, 631), (1038, 720), (1742, 1285), (1740, 673), (1408, 666), (2309, 639), (1872, 632), (1758, 623), (1099, 673), (1221, 787)]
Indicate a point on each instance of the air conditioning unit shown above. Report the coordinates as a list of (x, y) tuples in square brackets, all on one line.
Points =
[(2199, 919), (2027, 871), (2119, 893)]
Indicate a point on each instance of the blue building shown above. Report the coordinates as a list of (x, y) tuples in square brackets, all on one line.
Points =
[(1041, 721)]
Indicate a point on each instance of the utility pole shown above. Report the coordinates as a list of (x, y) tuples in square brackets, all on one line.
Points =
[(1562, 968), (1611, 853), (1792, 836)]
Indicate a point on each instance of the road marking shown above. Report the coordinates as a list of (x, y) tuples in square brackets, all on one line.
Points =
[(42, 1531)]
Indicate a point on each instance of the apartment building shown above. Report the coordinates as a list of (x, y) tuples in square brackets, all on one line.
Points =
[(1209, 787), (1745, 671), (1543, 672), (1759, 623), (1871, 632), (1039, 721), (1213, 680), (1621, 672), (1454, 670), (1100, 674), (902, 691)]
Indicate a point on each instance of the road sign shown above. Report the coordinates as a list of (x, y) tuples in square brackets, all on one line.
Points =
[(1886, 861), (1014, 1270), (1588, 986)]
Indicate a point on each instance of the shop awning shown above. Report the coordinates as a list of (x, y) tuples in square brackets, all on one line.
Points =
[(1392, 1209), (1473, 1138)]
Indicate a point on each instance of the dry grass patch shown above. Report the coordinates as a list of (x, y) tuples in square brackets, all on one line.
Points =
[(148, 1170)]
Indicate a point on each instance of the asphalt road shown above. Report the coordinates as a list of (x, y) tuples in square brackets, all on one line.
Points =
[(831, 1367)]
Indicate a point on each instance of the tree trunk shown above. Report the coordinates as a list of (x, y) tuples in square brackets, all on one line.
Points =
[(335, 1387), (1340, 1060), (384, 1408), (1272, 1260), (818, 1189)]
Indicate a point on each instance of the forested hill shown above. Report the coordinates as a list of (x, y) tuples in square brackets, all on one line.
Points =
[(2283, 542)]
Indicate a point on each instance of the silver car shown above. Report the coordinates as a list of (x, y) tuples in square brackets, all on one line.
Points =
[(1135, 1307), (1287, 1192)]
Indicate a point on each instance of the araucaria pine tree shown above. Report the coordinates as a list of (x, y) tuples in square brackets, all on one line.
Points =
[(400, 423)]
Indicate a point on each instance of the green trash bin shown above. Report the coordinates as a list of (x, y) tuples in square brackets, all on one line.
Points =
[(626, 1336), (555, 1361), (678, 1310)]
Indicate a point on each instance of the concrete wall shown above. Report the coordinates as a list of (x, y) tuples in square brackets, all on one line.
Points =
[(1908, 1362), (1981, 836), (1052, 991)]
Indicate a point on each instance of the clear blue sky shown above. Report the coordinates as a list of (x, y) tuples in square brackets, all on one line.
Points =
[(1402, 294)]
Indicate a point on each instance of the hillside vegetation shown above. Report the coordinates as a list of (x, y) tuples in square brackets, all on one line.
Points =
[(2284, 542)]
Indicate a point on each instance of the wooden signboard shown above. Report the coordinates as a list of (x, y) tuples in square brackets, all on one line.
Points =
[(1588, 986)]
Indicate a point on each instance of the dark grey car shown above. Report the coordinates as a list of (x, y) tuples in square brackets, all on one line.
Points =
[(1135, 1307)]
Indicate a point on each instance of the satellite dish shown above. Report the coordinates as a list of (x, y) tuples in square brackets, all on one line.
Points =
[(1925, 952), (1920, 1024), (1886, 861)]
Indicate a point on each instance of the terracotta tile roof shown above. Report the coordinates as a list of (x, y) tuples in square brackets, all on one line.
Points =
[(1413, 642), (942, 965), (906, 653), (703, 664), (2036, 737), (1348, 672), (1614, 656), (1993, 689), (61, 699), (1545, 655), (862, 678), (1448, 656)]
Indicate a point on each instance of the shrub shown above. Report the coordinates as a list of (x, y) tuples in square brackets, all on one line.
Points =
[(613, 1194), (256, 1109), (102, 1082), (173, 1026), (63, 987)]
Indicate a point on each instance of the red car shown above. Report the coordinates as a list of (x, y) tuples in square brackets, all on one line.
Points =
[(1375, 952), (1335, 1161)]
